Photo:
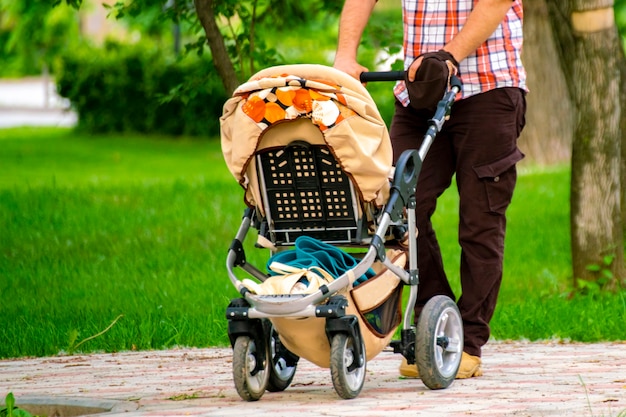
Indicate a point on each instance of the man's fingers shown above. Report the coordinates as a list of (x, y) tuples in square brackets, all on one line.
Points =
[(413, 69), (353, 69)]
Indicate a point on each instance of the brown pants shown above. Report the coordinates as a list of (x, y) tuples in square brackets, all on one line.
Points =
[(478, 144)]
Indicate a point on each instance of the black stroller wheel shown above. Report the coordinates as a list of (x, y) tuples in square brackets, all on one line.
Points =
[(283, 363), (250, 368), (439, 342), (347, 376)]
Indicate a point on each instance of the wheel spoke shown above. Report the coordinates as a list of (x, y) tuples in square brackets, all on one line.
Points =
[(443, 321), (348, 358), (439, 360), (251, 363)]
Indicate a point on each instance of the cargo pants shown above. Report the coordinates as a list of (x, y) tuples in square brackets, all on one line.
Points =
[(478, 144)]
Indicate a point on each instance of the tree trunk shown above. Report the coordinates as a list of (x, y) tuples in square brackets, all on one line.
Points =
[(221, 60), (547, 137), (622, 71), (587, 36)]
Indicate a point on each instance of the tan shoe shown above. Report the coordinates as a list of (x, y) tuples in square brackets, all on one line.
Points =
[(470, 367), (408, 371)]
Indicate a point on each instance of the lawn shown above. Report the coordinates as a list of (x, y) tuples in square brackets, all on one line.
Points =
[(115, 243)]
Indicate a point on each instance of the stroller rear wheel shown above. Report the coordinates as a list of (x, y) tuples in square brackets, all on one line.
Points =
[(250, 368), (348, 377), (283, 362), (439, 342)]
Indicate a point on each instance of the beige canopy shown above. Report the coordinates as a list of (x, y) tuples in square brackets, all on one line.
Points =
[(327, 105)]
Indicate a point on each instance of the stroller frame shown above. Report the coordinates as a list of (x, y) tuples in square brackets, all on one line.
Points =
[(261, 362)]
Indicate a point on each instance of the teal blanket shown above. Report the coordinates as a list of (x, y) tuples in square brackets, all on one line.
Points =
[(312, 252)]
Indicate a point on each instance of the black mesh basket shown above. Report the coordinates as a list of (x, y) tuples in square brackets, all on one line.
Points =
[(306, 192)]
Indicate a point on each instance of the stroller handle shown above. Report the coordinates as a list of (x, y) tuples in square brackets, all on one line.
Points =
[(381, 76), (397, 76)]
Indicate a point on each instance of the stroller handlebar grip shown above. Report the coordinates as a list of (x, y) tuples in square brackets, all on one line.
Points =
[(455, 81), (381, 76)]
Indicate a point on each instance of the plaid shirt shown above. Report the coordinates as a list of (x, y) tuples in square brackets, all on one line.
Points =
[(431, 24)]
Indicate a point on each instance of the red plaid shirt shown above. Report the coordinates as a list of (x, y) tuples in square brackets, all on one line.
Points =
[(430, 24)]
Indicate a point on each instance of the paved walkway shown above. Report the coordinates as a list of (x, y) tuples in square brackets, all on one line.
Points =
[(521, 379)]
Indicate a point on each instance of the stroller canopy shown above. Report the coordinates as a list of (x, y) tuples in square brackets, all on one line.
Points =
[(337, 104)]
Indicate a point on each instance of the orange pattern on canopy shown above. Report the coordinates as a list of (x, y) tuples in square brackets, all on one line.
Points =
[(296, 99)]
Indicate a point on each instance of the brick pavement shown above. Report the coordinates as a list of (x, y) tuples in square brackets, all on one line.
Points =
[(521, 379)]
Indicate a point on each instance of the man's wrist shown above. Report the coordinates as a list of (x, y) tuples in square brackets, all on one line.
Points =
[(447, 55)]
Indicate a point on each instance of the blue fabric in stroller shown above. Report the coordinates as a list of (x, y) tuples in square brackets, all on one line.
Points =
[(309, 252)]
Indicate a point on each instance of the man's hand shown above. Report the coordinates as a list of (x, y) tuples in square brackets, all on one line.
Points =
[(440, 55), (428, 79), (350, 67)]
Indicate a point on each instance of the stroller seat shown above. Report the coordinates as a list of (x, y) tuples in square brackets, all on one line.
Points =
[(307, 193)]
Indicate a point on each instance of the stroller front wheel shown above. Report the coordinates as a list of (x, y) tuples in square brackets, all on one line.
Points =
[(347, 376), (283, 362), (439, 344), (250, 368)]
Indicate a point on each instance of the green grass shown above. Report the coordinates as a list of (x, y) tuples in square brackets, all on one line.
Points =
[(34, 157), (136, 229), (94, 228)]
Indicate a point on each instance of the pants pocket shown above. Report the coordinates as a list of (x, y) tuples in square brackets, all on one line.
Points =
[(499, 178)]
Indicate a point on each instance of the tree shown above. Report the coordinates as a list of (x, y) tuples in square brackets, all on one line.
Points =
[(36, 34), (547, 137), (620, 18), (221, 59), (591, 57), (248, 47), (232, 28)]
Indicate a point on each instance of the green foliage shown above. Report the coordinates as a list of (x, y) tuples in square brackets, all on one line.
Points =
[(32, 33), (10, 410), (73, 3), (133, 88), (316, 41), (620, 15), (383, 38), (603, 277), (245, 26), (306, 33), (167, 23), (382, 42)]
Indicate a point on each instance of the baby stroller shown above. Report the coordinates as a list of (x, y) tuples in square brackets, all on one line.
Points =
[(311, 151)]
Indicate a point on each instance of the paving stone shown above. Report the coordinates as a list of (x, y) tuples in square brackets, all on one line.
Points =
[(521, 379)]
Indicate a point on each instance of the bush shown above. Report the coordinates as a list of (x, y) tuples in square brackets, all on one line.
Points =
[(130, 88), (32, 33)]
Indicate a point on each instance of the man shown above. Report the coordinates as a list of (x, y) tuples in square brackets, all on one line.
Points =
[(480, 41)]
